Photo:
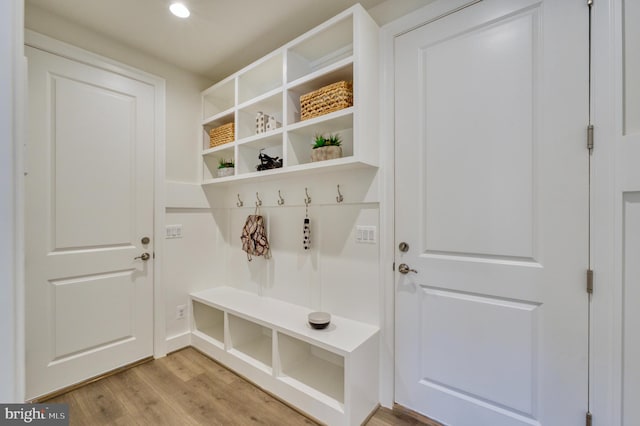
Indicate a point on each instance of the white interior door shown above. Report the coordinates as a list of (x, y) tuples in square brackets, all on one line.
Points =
[(491, 111), (89, 202)]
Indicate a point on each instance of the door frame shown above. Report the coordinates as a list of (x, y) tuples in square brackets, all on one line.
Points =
[(607, 233), (48, 44), (388, 33), (12, 110)]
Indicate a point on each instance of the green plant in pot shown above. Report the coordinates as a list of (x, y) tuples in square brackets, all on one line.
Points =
[(225, 167), (326, 147)]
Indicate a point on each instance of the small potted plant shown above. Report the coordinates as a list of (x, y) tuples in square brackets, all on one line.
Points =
[(225, 167), (326, 148)]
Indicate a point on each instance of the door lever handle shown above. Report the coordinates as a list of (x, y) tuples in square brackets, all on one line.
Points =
[(143, 256), (404, 269)]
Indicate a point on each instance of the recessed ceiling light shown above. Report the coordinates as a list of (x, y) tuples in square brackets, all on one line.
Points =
[(180, 10)]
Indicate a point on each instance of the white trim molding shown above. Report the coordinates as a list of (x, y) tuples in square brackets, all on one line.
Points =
[(59, 48), (11, 245)]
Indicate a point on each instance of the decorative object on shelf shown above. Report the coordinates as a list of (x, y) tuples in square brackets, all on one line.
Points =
[(326, 148), (319, 320), (254, 236), (280, 199), (327, 99), (225, 167), (267, 162), (240, 203), (339, 198), (265, 123), (221, 135), (272, 124)]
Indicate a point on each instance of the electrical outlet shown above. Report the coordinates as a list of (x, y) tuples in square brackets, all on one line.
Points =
[(181, 311)]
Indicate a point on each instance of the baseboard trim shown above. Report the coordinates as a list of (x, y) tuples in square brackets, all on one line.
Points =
[(397, 408), (179, 341), (94, 379)]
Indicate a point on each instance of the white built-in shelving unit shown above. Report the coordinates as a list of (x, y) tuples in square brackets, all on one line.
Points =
[(331, 374), (343, 48)]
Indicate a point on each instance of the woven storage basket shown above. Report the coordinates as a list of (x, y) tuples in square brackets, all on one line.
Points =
[(327, 99), (221, 135)]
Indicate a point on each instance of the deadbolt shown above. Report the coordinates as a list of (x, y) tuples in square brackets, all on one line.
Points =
[(145, 240), (404, 269), (143, 256), (403, 247)]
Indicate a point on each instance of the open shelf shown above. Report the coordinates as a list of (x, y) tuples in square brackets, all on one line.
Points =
[(270, 104), (218, 98), (260, 77), (324, 46), (251, 342), (210, 322), (312, 369)]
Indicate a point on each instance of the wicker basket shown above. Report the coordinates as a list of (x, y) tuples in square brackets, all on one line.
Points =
[(221, 135), (327, 99)]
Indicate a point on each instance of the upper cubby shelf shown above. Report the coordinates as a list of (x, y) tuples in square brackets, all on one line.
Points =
[(263, 102), (321, 47), (260, 78), (219, 98)]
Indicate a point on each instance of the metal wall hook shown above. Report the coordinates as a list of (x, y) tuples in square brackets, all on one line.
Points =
[(307, 199), (339, 198), (239, 203), (258, 200), (281, 200)]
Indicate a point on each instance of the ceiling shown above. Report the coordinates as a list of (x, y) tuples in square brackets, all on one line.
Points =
[(220, 37)]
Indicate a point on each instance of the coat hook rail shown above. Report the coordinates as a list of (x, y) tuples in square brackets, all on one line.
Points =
[(258, 200), (307, 199), (240, 203), (280, 199), (339, 198)]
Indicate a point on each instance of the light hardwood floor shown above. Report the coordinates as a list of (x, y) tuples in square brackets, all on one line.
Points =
[(187, 388)]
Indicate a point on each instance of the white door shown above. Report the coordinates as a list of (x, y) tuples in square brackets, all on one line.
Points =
[(89, 202), (491, 111)]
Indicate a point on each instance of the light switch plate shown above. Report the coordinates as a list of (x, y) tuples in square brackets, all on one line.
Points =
[(366, 234), (174, 231)]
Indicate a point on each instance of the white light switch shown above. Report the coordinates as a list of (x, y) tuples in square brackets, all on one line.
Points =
[(174, 231), (365, 234)]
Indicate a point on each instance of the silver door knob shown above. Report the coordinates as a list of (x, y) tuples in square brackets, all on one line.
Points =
[(143, 256), (403, 268)]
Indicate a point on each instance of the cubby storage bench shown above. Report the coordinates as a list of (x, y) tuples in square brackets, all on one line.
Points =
[(330, 374), (345, 48)]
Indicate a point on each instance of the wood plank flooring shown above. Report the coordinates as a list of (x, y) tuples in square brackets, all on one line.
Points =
[(188, 388)]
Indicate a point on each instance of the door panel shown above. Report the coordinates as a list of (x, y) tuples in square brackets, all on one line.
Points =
[(84, 111), (89, 201), (492, 198), (484, 75)]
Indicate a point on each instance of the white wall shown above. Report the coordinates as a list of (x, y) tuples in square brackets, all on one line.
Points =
[(10, 133), (337, 274), (182, 87)]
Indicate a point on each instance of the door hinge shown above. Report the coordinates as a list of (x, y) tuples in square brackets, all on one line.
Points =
[(590, 281), (590, 137), (589, 418), (394, 266)]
